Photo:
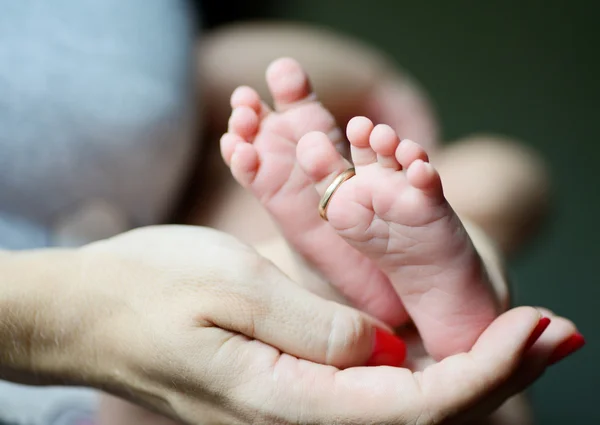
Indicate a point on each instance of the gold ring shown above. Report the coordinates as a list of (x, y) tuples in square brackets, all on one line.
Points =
[(346, 175)]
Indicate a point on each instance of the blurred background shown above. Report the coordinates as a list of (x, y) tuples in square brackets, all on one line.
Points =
[(529, 70)]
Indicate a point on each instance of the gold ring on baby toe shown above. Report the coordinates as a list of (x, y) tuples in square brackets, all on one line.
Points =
[(346, 175)]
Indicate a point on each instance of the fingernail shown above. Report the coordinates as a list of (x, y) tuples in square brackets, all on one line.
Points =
[(568, 347), (388, 350), (537, 332)]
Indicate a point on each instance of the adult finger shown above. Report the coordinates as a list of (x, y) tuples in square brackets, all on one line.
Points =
[(269, 307), (445, 390), (462, 387), (557, 338)]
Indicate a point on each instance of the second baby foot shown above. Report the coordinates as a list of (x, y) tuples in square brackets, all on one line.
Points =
[(394, 211)]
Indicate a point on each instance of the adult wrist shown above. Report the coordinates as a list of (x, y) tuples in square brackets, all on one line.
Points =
[(41, 316)]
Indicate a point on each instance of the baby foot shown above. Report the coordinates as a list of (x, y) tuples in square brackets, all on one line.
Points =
[(394, 211), (260, 149)]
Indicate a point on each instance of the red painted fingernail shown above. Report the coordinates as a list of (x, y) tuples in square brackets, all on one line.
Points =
[(568, 347), (537, 332), (388, 350)]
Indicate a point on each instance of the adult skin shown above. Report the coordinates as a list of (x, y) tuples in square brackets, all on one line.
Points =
[(159, 316)]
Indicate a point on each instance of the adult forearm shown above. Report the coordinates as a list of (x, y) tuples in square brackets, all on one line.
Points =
[(38, 336)]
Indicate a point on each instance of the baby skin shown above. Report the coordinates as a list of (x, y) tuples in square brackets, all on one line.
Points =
[(391, 244)]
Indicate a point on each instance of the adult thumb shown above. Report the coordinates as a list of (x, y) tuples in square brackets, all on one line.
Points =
[(288, 317)]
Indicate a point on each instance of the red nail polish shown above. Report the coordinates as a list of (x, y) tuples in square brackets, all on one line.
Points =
[(568, 347), (537, 332), (388, 350)]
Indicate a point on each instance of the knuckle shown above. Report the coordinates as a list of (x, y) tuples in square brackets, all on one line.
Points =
[(348, 335)]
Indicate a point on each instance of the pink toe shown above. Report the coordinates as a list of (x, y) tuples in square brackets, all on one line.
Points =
[(244, 163), (229, 142), (358, 131), (423, 176), (384, 140), (317, 156), (246, 96), (319, 160), (408, 152), (244, 122), (288, 83)]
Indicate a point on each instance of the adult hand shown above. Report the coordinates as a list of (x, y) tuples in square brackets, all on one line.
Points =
[(193, 324)]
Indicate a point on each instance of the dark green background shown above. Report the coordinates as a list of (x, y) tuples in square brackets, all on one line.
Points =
[(528, 70)]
